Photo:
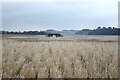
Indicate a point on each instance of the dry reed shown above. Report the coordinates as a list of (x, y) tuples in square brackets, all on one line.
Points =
[(60, 59)]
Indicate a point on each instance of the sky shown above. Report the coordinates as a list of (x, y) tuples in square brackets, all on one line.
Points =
[(25, 16)]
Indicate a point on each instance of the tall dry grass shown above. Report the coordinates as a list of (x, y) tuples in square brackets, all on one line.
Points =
[(60, 59), (0, 58)]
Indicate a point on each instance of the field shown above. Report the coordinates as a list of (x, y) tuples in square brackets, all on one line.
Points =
[(63, 57)]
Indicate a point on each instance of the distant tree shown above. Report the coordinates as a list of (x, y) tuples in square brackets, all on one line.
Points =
[(85, 29), (99, 28), (104, 31)]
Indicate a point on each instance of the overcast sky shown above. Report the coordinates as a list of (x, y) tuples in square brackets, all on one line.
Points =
[(20, 16)]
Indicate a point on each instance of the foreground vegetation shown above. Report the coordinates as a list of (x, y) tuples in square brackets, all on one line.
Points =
[(76, 57)]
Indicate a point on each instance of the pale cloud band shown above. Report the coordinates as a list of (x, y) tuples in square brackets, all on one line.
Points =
[(86, 14), (107, 1)]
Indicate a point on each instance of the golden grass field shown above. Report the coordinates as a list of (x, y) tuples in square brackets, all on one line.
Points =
[(65, 57)]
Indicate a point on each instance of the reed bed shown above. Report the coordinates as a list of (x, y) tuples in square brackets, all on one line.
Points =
[(60, 59)]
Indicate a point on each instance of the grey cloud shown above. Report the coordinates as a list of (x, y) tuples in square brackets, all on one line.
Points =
[(56, 15)]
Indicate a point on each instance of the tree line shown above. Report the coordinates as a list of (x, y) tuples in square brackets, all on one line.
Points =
[(25, 32), (101, 31), (97, 31), (105, 31)]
